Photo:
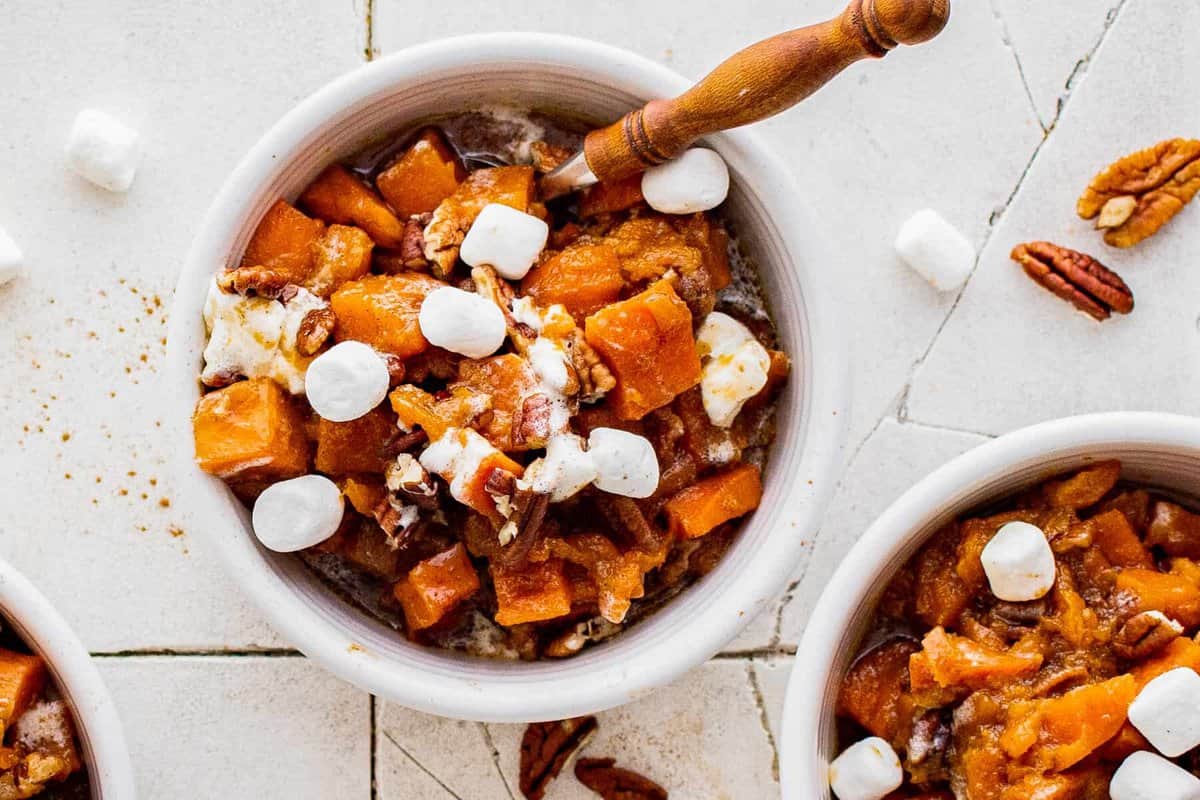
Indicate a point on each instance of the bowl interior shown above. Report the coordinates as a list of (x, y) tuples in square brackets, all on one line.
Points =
[(693, 625), (1160, 451)]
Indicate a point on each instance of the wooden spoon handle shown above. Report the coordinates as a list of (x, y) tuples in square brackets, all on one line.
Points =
[(760, 81)]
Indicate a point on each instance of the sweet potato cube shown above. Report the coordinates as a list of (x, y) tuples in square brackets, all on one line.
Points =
[(1181, 652), (713, 243), (956, 661), (609, 197), (510, 186), (382, 310), (1175, 529), (364, 496), (1085, 488), (367, 547), (338, 196), (647, 342), (22, 678), (435, 586), (703, 506), (360, 445), (508, 379), (941, 594), (250, 431), (417, 408), (1115, 537), (584, 278), (1059, 732), (285, 240), (343, 253), (423, 177), (534, 592), (875, 691), (1151, 590)]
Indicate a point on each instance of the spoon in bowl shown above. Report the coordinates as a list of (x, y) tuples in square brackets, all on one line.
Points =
[(753, 84)]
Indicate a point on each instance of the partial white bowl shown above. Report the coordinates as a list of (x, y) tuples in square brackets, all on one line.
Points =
[(579, 78), (45, 632), (1161, 450)]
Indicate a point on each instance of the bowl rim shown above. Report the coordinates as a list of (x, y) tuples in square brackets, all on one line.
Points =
[(44, 630), (803, 772), (502, 701)]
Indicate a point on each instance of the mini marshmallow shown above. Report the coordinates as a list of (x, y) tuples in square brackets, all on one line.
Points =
[(734, 367), (936, 250), (866, 770), (698, 180), (505, 239), (11, 260), (1019, 563), (462, 322), (565, 469), (298, 513), (1148, 776), (625, 462), (1167, 711), (103, 150), (346, 381)]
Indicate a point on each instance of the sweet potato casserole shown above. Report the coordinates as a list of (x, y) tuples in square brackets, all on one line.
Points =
[(1035, 650), (542, 420)]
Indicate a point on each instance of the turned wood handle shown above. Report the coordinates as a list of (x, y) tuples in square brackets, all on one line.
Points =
[(760, 81)]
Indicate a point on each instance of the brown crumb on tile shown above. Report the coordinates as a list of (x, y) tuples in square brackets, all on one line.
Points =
[(66, 437), (164, 502), (175, 531)]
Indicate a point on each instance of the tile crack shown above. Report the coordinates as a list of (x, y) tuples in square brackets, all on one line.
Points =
[(422, 767), (763, 718), (1006, 40), (495, 751)]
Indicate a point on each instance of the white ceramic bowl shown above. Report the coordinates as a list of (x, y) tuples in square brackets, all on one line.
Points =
[(45, 632), (1161, 450), (580, 78)]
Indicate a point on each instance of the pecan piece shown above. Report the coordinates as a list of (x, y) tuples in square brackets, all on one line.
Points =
[(315, 329), (1138, 194), (606, 779), (545, 748), (257, 282), (1145, 634), (1075, 277)]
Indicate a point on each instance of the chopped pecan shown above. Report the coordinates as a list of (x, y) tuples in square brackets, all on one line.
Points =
[(545, 748), (524, 526), (626, 515), (606, 779), (532, 422), (412, 246), (315, 329), (595, 378), (407, 479), (1075, 277), (596, 629), (257, 282), (395, 368), (1138, 194), (928, 745), (547, 157), (1144, 634), (397, 520)]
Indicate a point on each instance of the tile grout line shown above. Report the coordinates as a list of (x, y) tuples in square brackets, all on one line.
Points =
[(763, 719), (422, 767), (374, 744), (491, 745), (369, 29), (1006, 40), (933, 426), (280, 652)]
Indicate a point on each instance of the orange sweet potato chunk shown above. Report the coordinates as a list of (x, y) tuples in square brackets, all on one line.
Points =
[(942, 596), (285, 240), (338, 196), (703, 506), (250, 431), (423, 177), (360, 445), (382, 310), (508, 379), (1059, 732), (435, 586), (1175, 529), (647, 342), (1085, 488), (584, 277), (1173, 595), (951, 660), (875, 691), (1181, 652), (535, 592), (22, 678), (364, 496), (1116, 538), (416, 408), (712, 241), (343, 253), (609, 197)]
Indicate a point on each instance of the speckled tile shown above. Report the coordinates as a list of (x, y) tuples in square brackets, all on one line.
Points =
[(1012, 353), (86, 502), (242, 728)]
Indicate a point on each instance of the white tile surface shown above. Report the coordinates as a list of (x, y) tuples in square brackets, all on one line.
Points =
[(242, 728), (952, 125)]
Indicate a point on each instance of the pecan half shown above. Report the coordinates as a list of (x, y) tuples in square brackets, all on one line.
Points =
[(1138, 194), (257, 282), (1075, 277), (315, 329), (545, 748), (606, 779), (1145, 634)]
